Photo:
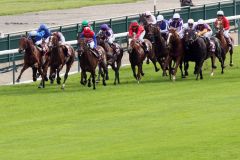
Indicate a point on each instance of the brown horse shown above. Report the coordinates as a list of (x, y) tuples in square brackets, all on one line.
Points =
[(32, 58), (176, 53), (58, 59), (89, 62), (114, 62), (224, 45), (158, 43), (137, 56)]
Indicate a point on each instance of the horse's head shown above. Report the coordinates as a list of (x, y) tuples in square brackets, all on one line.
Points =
[(152, 32), (172, 36), (189, 36), (23, 44), (142, 19), (82, 45), (53, 41)]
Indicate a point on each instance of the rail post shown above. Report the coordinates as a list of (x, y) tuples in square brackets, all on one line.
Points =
[(9, 47), (189, 12), (126, 23), (219, 5), (204, 12), (60, 29), (110, 22), (238, 31), (14, 67)]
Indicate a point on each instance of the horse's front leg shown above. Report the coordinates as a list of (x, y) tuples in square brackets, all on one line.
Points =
[(134, 71), (166, 64), (22, 70), (175, 68), (93, 80), (42, 84), (68, 66), (139, 73), (231, 53), (58, 76), (154, 60)]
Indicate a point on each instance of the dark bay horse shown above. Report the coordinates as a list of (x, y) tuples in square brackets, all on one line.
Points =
[(89, 62), (175, 55), (224, 45), (195, 50), (114, 62), (32, 58), (158, 43), (58, 59), (137, 56)]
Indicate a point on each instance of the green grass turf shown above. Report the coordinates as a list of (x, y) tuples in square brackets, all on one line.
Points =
[(155, 120), (8, 7)]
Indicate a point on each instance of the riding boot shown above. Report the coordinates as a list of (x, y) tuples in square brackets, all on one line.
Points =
[(229, 41), (97, 53), (145, 48)]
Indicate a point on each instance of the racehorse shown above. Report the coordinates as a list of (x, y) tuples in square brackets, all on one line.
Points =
[(224, 45), (32, 58), (59, 58), (113, 59), (158, 43), (176, 53), (137, 56), (88, 62), (195, 50)]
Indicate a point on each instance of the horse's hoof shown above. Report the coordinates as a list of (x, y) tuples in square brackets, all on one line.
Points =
[(115, 83), (34, 79), (214, 67), (58, 82), (186, 73), (104, 83), (18, 80), (63, 86), (231, 64), (212, 74), (142, 74), (147, 62), (183, 76), (156, 70), (46, 79), (174, 78), (107, 78), (94, 88), (40, 86)]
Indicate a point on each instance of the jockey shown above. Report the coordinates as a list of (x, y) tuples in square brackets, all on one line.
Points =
[(190, 25), (163, 25), (37, 36), (61, 40), (85, 23), (176, 22), (107, 32), (221, 19), (60, 36), (203, 29), (91, 39), (151, 19), (137, 31)]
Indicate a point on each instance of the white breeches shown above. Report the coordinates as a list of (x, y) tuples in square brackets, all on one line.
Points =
[(91, 44), (226, 33), (141, 36)]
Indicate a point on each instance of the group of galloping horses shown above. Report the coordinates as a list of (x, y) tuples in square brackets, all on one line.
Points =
[(55, 56), (170, 52)]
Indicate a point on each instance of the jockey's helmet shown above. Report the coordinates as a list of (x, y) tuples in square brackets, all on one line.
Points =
[(160, 18), (84, 23), (200, 21), (176, 16), (220, 13), (32, 33), (148, 13), (104, 27), (134, 24), (87, 30), (190, 21)]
